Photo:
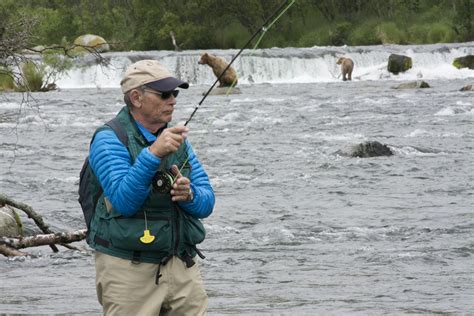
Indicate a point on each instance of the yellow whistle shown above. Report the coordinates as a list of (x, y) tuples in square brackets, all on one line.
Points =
[(147, 238)]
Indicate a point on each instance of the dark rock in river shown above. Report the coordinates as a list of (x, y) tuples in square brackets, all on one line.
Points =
[(413, 85), (464, 62), (469, 87), (224, 91), (398, 63), (370, 149)]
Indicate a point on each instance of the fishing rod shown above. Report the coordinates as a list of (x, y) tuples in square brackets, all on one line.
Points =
[(263, 29), (163, 181)]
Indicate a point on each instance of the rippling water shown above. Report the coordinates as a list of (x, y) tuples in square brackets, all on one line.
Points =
[(299, 228)]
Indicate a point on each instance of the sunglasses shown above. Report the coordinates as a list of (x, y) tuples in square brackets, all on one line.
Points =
[(164, 95)]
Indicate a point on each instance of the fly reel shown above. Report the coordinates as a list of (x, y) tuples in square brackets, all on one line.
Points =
[(162, 182)]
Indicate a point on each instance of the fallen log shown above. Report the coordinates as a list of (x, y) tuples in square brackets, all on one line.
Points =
[(28, 210), (42, 240), (72, 236), (31, 214), (11, 252)]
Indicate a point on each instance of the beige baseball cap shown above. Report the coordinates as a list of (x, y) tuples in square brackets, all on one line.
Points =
[(151, 73)]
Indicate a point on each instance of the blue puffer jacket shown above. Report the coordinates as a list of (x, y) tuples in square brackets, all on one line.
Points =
[(127, 186)]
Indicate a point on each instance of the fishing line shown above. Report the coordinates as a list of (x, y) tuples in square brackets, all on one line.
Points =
[(264, 28), (162, 185), (264, 32)]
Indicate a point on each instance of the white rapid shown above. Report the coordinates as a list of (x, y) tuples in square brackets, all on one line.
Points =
[(281, 65)]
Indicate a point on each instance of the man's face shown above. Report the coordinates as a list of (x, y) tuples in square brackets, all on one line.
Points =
[(157, 107)]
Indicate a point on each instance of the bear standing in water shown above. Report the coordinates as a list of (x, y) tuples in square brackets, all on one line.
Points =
[(218, 65), (347, 65)]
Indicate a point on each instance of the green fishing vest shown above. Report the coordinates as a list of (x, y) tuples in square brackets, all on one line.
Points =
[(176, 232)]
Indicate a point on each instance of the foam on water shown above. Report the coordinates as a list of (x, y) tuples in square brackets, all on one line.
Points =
[(298, 228), (409, 151), (455, 110), (282, 66), (9, 105)]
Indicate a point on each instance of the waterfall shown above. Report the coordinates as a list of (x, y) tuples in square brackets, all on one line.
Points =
[(280, 65)]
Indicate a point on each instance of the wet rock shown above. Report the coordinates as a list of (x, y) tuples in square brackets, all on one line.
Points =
[(91, 41), (48, 87), (398, 63), (224, 91), (469, 87), (370, 149), (420, 84), (10, 223), (464, 62)]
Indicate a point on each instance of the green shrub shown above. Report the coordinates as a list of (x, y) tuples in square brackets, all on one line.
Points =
[(390, 33), (432, 13), (440, 33), (341, 34), (364, 34), (417, 34), (313, 38), (32, 76), (234, 35), (42, 75), (6, 80)]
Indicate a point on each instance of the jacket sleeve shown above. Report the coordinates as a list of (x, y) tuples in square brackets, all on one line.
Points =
[(125, 185), (203, 202)]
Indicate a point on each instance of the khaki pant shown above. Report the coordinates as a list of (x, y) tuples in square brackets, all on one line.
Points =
[(129, 289)]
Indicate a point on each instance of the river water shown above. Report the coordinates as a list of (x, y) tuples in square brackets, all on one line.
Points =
[(299, 228)]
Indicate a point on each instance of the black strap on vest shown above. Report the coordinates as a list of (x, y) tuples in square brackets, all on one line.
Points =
[(188, 260), (163, 262), (100, 241), (198, 252), (136, 257), (119, 130)]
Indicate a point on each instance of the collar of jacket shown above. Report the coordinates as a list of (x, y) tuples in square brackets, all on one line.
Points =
[(148, 136)]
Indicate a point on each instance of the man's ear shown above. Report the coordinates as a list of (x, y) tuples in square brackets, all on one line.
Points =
[(136, 98)]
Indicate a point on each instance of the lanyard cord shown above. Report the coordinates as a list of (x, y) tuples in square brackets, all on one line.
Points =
[(263, 29), (281, 9)]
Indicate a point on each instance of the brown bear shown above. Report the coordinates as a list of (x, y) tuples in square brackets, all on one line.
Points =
[(218, 65), (347, 65)]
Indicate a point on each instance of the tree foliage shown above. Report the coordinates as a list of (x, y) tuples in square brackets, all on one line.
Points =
[(23, 67), (204, 24)]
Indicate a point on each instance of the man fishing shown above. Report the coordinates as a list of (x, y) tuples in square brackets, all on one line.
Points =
[(146, 224)]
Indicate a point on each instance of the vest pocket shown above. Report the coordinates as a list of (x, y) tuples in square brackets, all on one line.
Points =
[(125, 233), (193, 230)]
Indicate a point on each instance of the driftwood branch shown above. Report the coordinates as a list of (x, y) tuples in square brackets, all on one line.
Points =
[(28, 210), (69, 51), (11, 252), (31, 214), (41, 240)]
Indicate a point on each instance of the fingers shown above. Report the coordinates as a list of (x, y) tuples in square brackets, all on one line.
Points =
[(181, 183), (175, 171), (181, 190), (173, 137), (169, 140), (180, 129)]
